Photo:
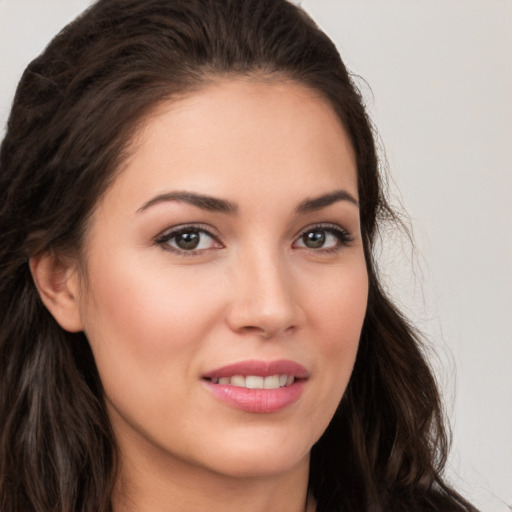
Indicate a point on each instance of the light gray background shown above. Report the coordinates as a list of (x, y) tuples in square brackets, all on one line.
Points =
[(440, 73)]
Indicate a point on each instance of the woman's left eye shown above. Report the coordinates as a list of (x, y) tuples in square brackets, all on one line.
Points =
[(323, 238), (188, 239)]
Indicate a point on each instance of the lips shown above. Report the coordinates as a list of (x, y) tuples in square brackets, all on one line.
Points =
[(260, 368), (258, 386)]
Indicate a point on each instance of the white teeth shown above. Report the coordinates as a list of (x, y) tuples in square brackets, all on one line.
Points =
[(271, 382), (238, 380), (253, 382), (256, 382)]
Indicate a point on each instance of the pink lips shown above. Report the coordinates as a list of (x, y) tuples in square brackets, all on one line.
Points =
[(258, 400), (260, 368)]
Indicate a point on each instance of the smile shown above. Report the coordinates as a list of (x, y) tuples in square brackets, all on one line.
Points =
[(258, 386), (256, 381)]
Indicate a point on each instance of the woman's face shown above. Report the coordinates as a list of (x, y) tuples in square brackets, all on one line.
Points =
[(226, 282)]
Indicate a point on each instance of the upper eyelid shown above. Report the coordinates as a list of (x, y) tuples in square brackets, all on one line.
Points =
[(166, 233), (163, 239), (325, 226), (343, 235)]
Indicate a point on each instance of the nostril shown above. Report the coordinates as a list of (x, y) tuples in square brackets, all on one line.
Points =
[(260, 331), (266, 332)]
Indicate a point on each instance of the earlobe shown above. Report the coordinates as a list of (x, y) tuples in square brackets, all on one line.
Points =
[(57, 283)]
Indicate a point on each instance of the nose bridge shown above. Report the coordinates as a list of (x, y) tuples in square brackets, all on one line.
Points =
[(263, 299)]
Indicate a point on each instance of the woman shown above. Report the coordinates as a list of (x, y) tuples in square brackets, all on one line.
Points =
[(192, 316)]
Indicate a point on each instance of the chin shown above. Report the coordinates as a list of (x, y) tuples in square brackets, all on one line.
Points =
[(261, 467), (259, 458)]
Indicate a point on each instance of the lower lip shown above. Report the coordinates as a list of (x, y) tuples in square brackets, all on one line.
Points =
[(262, 401)]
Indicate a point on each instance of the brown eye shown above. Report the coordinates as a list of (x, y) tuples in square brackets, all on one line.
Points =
[(188, 240), (314, 239), (323, 238)]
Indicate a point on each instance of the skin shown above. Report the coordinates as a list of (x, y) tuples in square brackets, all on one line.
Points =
[(158, 318)]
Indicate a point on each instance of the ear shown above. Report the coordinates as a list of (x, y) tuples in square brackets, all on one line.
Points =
[(57, 282)]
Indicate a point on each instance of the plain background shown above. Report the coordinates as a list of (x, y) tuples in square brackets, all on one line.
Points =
[(437, 79)]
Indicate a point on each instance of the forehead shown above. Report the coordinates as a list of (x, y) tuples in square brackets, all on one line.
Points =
[(240, 137)]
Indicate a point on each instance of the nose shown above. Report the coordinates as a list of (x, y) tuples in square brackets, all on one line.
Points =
[(264, 301)]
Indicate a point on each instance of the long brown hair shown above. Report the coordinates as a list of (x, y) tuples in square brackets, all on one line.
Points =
[(74, 114)]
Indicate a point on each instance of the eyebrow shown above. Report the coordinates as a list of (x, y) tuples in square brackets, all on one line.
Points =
[(209, 203), (214, 204), (318, 203)]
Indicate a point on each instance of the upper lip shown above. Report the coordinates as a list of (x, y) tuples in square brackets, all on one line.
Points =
[(260, 369)]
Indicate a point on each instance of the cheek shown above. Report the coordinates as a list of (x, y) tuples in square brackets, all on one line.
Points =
[(339, 305), (340, 309), (142, 318)]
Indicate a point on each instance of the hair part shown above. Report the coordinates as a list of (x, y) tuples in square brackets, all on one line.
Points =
[(76, 110)]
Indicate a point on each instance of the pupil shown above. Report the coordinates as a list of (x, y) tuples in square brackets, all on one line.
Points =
[(188, 240), (314, 239)]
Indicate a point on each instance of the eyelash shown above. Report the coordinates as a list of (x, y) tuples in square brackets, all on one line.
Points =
[(164, 239), (343, 236)]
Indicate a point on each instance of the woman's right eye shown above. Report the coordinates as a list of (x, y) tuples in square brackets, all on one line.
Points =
[(188, 240)]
